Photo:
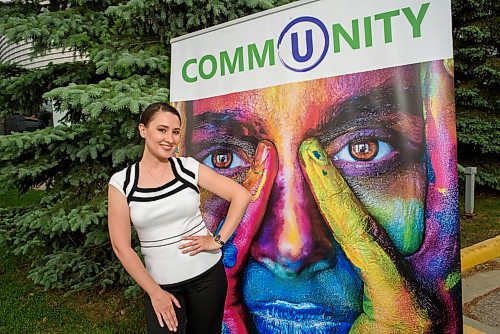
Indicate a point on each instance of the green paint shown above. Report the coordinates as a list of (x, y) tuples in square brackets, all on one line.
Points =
[(325, 173), (402, 219), (452, 280), (368, 306)]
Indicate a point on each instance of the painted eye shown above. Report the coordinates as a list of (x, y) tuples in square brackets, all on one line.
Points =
[(366, 150), (222, 159)]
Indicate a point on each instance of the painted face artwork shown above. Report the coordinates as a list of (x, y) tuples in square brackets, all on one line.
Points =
[(352, 225)]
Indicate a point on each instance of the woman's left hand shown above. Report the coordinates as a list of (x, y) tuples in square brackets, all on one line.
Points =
[(199, 243)]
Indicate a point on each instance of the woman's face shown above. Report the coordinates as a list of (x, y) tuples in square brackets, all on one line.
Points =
[(371, 127), (162, 134)]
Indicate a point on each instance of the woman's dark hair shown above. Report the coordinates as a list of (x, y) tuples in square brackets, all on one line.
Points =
[(151, 110)]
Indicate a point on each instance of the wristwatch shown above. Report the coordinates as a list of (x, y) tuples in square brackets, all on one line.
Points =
[(218, 240)]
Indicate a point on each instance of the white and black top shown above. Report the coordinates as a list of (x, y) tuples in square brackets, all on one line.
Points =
[(162, 216)]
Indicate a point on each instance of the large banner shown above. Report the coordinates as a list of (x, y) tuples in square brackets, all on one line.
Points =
[(339, 117)]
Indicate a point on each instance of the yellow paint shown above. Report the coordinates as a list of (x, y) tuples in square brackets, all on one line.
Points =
[(260, 184), (434, 102), (443, 191)]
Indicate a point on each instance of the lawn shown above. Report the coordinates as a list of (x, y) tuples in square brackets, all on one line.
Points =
[(484, 223), (27, 308)]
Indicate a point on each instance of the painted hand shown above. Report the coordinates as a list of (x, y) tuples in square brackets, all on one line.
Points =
[(259, 182), (393, 302)]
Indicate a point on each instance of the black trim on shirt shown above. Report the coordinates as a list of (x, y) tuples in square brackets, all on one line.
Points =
[(154, 198), (134, 186), (152, 190), (177, 175), (171, 243), (127, 179), (175, 236), (186, 171)]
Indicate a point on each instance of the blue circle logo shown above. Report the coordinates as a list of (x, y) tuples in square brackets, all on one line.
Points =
[(305, 46)]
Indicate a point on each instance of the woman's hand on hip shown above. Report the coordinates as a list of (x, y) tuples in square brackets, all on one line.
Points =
[(199, 243)]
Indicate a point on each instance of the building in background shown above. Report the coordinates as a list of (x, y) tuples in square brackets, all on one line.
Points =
[(21, 54)]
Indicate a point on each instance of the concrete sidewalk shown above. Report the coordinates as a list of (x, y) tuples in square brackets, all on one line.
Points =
[(481, 287)]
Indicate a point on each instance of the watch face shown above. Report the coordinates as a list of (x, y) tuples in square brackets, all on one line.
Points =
[(218, 239)]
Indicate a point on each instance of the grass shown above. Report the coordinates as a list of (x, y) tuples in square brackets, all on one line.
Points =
[(27, 308), (485, 223)]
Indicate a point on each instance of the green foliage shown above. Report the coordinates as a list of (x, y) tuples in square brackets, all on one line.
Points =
[(12, 198), (477, 74), (71, 28), (125, 64), (21, 90), (64, 234)]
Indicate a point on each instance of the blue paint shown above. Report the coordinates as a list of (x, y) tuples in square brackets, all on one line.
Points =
[(229, 250), (229, 253), (324, 297), (431, 176), (448, 220)]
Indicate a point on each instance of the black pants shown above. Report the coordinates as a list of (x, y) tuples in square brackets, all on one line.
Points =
[(202, 304)]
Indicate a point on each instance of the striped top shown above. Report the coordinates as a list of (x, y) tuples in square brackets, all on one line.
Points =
[(163, 215)]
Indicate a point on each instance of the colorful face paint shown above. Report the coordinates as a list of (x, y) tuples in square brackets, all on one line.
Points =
[(350, 206)]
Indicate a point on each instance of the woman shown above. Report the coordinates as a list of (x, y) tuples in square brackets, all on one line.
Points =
[(184, 278)]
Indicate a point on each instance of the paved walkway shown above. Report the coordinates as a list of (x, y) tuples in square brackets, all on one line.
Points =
[(481, 298)]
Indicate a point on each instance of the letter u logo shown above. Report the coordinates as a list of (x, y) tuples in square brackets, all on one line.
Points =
[(303, 43), (295, 46)]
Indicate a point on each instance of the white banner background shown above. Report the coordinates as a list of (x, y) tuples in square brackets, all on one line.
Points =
[(434, 43)]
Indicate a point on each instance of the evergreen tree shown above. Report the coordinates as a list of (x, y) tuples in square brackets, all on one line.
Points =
[(477, 78), (127, 44)]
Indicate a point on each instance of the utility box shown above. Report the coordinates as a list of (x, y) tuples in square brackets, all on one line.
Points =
[(470, 173)]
